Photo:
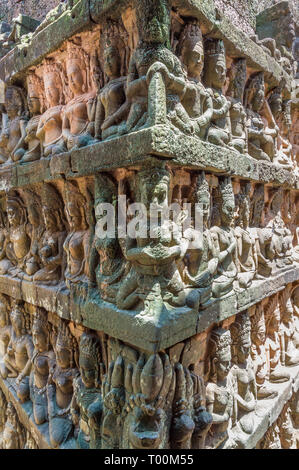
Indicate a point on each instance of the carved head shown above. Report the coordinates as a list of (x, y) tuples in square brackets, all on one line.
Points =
[(153, 20), (34, 208), (275, 101), (77, 68), (272, 315), (4, 316), (255, 92), (53, 84), (215, 65), (75, 207), (90, 360), (192, 51), (257, 205), (65, 347), (203, 198), (35, 91), (40, 330), (16, 212), (112, 62), (19, 320), (241, 340), (154, 185), (237, 79), (220, 354), (52, 209), (242, 206), (224, 199), (15, 102)]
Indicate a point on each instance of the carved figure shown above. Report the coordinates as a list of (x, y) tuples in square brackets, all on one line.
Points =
[(235, 94), (289, 352), (5, 333)]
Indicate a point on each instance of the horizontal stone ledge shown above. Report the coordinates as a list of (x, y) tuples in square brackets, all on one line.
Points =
[(131, 150), (25, 414), (87, 12), (168, 327)]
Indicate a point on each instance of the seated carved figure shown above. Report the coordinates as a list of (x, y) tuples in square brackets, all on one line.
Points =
[(76, 244), (19, 353), (32, 145), (41, 363), (49, 129), (154, 277), (243, 381), (201, 260), (13, 135), (112, 105), (235, 94), (261, 143), (78, 115), (219, 393), (246, 243), (259, 354), (224, 239), (219, 132), (51, 246), (18, 239), (289, 335), (86, 405), (197, 100), (60, 387), (154, 65)]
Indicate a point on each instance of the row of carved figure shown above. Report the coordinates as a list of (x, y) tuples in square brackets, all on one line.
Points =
[(72, 103), (102, 393), (49, 239)]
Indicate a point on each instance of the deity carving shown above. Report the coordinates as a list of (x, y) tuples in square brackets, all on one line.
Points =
[(281, 111), (76, 244), (277, 372), (112, 105), (35, 102), (243, 381), (224, 238), (235, 94), (49, 130), (42, 362), (13, 135), (197, 100), (19, 352), (219, 132), (106, 264), (78, 113), (13, 435), (51, 252), (219, 393), (60, 387), (201, 261), (259, 354), (261, 143), (5, 333), (86, 405), (246, 244), (288, 334)]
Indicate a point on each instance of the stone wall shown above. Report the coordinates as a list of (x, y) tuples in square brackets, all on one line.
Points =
[(37, 9)]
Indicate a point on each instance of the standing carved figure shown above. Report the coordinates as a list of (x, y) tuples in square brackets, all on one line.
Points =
[(87, 406), (76, 244), (289, 352), (235, 94), (60, 387), (243, 381), (19, 352), (78, 114), (219, 132), (51, 251), (224, 239), (219, 393), (5, 333), (49, 129)]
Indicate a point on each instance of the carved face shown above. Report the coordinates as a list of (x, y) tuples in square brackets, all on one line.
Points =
[(74, 216), (223, 364), (17, 322), (244, 348), (259, 335), (49, 219), (258, 99), (51, 91), (194, 61), (75, 77), (88, 371), (275, 103), (33, 101), (156, 194), (146, 431), (112, 63), (40, 339), (218, 72), (13, 103), (13, 215), (63, 356), (227, 212)]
